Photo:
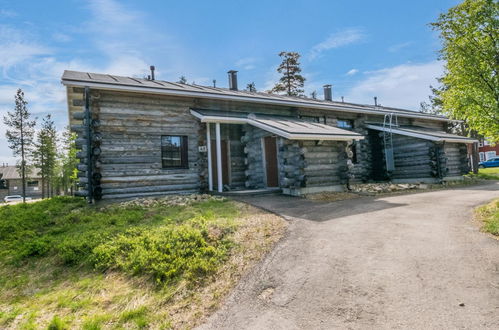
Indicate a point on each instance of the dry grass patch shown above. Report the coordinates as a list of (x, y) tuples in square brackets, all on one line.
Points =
[(332, 196), (488, 216)]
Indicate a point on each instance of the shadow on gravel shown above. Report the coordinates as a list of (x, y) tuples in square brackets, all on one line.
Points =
[(296, 207)]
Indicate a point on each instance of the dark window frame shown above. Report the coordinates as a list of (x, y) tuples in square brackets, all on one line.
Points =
[(33, 183), (182, 152)]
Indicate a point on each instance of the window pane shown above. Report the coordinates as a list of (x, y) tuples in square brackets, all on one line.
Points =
[(171, 151), (342, 123)]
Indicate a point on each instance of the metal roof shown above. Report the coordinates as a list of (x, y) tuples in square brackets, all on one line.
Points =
[(12, 173), (288, 127), (423, 133), (112, 82)]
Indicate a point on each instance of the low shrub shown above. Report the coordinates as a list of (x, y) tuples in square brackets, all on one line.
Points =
[(165, 253), (166, 242)]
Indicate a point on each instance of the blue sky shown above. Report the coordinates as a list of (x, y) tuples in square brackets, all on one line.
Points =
[(363, 48)]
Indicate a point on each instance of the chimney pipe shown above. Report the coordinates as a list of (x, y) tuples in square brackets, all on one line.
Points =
[(328, 93), (152, 71), (232, 80), (375, 101)]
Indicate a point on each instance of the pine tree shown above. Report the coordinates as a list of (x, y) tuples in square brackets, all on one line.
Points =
[(291, 81), (20, 134), (182, 80), (45, 155), (251, 87)]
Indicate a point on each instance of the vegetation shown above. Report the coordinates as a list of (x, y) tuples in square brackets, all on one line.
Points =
[(20, 134), (291, 81), (163, 263), (491, 173), (470, 86), (45, 155), (489, 215), (251, 87)]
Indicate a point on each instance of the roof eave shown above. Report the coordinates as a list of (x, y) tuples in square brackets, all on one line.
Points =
[(237, 98)]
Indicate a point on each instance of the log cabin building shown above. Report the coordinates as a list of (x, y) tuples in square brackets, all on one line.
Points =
[(146, 137)]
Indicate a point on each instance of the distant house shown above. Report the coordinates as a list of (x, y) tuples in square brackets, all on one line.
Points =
[(11, 183), (146, 137), (486, 150)]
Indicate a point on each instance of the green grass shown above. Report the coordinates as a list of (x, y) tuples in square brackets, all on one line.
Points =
[(60, 258), (489, 215), (486, 174)]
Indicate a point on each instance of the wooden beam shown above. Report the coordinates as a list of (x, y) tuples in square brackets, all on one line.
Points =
[(210, 164), (219, 158)]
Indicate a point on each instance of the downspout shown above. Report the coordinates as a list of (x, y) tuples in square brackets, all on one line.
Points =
[(88, 123)]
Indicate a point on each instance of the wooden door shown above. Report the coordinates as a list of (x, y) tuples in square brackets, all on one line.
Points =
[(270, 146), (225, 162)]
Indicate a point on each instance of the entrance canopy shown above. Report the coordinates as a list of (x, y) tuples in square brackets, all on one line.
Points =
[(423, 133), (287, 127)]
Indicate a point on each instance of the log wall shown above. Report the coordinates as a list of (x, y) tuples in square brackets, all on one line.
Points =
[(414, 158), (455, 159), (131, 125), (253, 151)]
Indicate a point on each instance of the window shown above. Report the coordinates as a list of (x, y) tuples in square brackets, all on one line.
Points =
[(174, 151), (482, 156), (489, 155), (32, 183), (345, 123)]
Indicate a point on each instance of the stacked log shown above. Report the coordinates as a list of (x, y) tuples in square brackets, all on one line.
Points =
[(457, 162), (413, 157), (291, 164), (325, 164), (252, 148), (131, 127)]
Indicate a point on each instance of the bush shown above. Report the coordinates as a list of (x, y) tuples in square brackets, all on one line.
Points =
[(166, 253), (166, 242)]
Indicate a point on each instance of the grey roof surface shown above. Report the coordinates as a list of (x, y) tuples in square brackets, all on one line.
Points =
[(441, 135), (297, 126), (159, 86), (12, 173), (282, 125)]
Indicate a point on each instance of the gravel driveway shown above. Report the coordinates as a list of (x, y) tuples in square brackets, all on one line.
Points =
[(412, 261)]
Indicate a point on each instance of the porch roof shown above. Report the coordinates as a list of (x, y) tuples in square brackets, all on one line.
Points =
[(286, 127), (423, 133)]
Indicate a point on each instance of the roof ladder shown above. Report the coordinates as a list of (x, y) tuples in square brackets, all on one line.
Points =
[(389, 121)]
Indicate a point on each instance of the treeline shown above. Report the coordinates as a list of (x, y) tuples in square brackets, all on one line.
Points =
[(44, 153)]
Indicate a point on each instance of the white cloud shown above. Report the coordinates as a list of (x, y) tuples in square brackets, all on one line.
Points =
[(246, 63), (61, 37), (352, 72), (7, 13), (336, 40), (15, 48), (403, 86), (397, 47)]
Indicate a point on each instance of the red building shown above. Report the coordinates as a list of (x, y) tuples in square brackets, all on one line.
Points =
[(486, 150)]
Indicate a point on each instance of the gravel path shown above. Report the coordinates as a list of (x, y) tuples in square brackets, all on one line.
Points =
[(401, 262)]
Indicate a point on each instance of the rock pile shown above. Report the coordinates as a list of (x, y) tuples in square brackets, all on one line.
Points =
[(171, 200), (376, 188)]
